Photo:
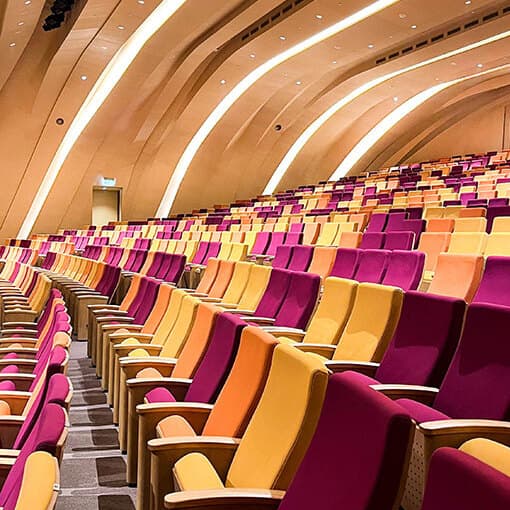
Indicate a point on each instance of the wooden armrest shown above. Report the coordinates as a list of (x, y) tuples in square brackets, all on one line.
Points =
[(259, 320), (19, 350), (30, 333), (103, 306), (364, 367), (242, 312), (20, 324), (132, 328), (142, 337), (228, 306), (178, 387), (16, 400), (226, 499), (209, 299), (322, 349), (124, 350), (423, 394), (115, 314), (153, 360)]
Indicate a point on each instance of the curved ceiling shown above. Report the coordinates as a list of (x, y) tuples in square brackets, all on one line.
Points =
[(180, 75)]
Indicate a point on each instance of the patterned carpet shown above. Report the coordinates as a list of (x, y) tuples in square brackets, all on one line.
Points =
[(93, 469)]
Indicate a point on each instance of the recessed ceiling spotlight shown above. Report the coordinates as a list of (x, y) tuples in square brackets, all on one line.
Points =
[(83, 77), (318, 16), (121, 27), (402, 15), (395, 99), (299, 82), (370, 46), (141, 2), (414, 27), (468, 2), (282, 38), (252, 55), (453, 64), (334, 62), (337, 47), (479, 65), (12, 44), (28, 2), (20, 23), (223, 82)]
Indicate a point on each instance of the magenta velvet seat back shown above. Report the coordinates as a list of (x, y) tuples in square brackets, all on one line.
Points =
[(424, 342), (218, 359), (57, 391), (137, 300), (155, 269), (399, 241), (377, 222), (372, 266), (138, 260), (109, 280), (283, 256), (405, 269), (301, 258), (275, 293), (201, 252), (212, 251), (346, 262), (294, 238), (45, 436), (458, 481), (372, 240), (49, 260), (176, 268), (296, 228), (357, 455), (395, 221), (277, 239), (261, 244), (130, 260), (53, 363), (477, 381), (147, 301), (299, 303), (495, 285)]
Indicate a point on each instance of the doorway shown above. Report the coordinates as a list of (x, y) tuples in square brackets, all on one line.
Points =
[(106, 205)]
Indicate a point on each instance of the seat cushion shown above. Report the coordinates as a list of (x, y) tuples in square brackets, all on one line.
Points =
[(421, 413), (10, 369), (149, 373), (7, 386), (5, 408), (159, 395), (139, 353), (11, 355), (195, 472), (173, 426), (362, 377)]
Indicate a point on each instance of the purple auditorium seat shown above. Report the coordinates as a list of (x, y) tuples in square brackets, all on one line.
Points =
[(372, 240), (346, 262), (45, 436), (294, 238), (283, 256), (49, 260), (477, 381), (299, 302), (277, 239), (398, 241), (498, 202), (200, 254), (275, 293), (415, 226), (301, 258), (477, 202), (176, 268), (458, 481), (414, 213), (377, 222), (357, 455), (177, 235), (155, 270), (137, 260), (404, 269), (495, 285), (372, 266), (214, 367), (395, 221), (296, 228), (493, 212), (467, 197), (212, 251), (261, 243)]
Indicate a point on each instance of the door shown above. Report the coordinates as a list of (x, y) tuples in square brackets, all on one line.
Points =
[(105, 205)]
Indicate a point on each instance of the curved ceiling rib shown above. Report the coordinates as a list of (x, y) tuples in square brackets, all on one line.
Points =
[(228, 101), (96, 97), (393, 118), (308, 133)]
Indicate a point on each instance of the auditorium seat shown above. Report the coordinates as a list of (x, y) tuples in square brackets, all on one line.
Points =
[(495, 283), (372, 266), (346, 262), (322, 261), (404, 269)]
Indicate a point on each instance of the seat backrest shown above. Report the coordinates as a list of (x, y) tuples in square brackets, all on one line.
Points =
[(283, 422), (358, 453), (457, 276), (283, 256), (425, 340), (399, 241), (244, 385), (350, 239), (477, 381), (217, 361), (495, 284), (472, 243), (209, 276), (470, 225), (372, 323), (222, 279), (238, 282), (198, 340), (372, 266), (275, 293), (310, 233), (346, 262), (372, 240), (299, 301), (261, 243), (459, 481), (255, 287), (440, 225), (501, 224), (377, 222), (498, 243), (301, 258), (331, 315), (404, 269), (432, 244), (322, 260)]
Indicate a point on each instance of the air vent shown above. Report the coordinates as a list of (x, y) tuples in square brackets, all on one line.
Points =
[(447, 33), (275, 16)]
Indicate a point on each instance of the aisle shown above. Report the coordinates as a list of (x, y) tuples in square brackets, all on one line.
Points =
[(93, 469)]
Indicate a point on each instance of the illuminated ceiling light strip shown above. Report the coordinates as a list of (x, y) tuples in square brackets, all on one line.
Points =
[(307, 134), (393, 118), (226, 103), (110, 76)]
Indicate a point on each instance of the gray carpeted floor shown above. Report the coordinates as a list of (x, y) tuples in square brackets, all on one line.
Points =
[(93, 469)]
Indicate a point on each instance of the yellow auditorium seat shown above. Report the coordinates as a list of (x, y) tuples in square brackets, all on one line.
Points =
[(492, 453), (470, 225), (501, 224), (498, 243), (472, 243)]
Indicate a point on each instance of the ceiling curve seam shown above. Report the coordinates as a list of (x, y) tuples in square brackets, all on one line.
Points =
[(393, 118), (110, 76), (241, 87), (308, 133)]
